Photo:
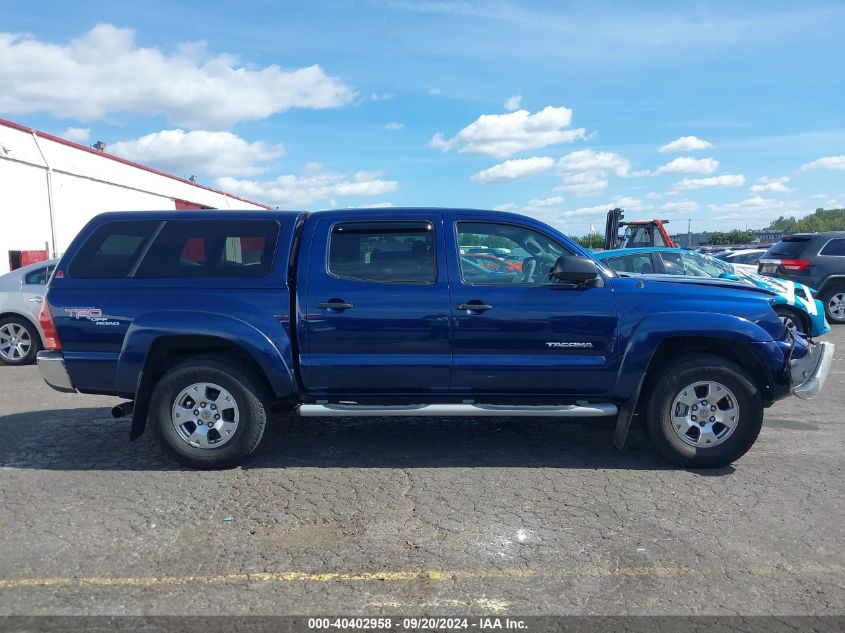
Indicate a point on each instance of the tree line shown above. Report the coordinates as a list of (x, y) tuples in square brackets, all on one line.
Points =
[(818, 221)]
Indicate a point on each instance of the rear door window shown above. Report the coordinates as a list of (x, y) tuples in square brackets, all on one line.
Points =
[(112, 249), (211, 249), (38, 277), (834, 247), (383, 252)]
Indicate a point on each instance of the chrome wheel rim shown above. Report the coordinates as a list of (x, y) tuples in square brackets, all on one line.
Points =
[(15, 342), (704, 414), (205, 415), (836, 305)]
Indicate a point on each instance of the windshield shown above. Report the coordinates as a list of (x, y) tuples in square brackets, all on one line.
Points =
[(695, 265)]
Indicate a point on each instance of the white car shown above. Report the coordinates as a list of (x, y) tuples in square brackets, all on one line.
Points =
[(744, 260), (21, 295)]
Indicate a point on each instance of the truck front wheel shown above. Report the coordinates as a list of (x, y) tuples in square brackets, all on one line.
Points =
[(209, 412), (704, 412)]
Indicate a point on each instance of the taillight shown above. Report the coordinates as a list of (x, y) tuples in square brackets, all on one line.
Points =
[(45, 320), (794, 264)]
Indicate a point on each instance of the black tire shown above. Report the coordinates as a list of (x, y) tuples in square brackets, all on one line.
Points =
[(677, 376), (253, 401), (825, 297), (34, 337), (790, 315)]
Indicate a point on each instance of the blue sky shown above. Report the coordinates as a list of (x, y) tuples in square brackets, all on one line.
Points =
[(559, 109)]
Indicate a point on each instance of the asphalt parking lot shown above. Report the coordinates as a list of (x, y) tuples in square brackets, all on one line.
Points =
[(410, 516)]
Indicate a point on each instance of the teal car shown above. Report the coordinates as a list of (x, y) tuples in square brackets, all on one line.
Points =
[(794, 302)]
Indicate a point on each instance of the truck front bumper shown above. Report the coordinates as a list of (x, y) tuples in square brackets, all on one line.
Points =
[(52, 368), (807, 374)]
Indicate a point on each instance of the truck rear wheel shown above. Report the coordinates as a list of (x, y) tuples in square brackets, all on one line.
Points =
[(704, 412), (209, 412)]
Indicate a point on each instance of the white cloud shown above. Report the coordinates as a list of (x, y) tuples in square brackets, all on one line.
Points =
[(772, 184), (76, 134), (827, 162), (630, 204), (584, 183), (545, 202), (508, 206), (584, 172), (727, 180), (316, 183), (688, 165), (503, 135), (595, 210), (513, 169), (828, 202), (435, 91), (105, 71), (383, 96), (588, 160), (394, 125), (680, 206), (757, 207), (685, 144), (625, 202), (199, 152), (512, 103), (375, 205)]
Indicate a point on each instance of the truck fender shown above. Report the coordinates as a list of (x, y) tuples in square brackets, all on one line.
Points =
[(831, 281), (274, 357), (650, 332)]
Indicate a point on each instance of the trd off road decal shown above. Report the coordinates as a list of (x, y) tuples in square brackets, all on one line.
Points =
[(95, 315)]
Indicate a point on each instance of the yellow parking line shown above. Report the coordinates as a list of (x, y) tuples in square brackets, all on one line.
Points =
[(400, 576)]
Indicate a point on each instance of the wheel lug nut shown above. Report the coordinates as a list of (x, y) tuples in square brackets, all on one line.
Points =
[(695, 407), (712, 419), (202, 405), (216, 417), (196, 412), (701, 424), (694, 418), (214, 407), (712, 407)]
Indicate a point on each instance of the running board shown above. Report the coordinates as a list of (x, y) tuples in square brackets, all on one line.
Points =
[(593, 410)]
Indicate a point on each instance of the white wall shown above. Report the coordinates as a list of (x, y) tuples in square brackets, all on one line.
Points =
[(83, 185)]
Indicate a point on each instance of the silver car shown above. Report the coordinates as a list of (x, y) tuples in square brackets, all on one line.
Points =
[(21, 295)]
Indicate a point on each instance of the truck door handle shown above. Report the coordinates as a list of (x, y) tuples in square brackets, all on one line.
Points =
[(475, 307), (35, 299), (334, 305)]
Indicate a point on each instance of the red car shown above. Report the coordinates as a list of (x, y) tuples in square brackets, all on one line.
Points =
[(493, 263)]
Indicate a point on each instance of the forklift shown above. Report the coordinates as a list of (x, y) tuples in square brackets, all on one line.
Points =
[(637, 234)]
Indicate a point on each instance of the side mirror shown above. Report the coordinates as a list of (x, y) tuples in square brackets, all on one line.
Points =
[(574, 270)]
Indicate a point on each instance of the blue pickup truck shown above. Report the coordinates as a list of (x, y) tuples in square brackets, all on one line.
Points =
[(207, 321)]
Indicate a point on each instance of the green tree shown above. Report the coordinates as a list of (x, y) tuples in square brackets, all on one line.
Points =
[(593, 240), (818, 221), (735, 236)]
